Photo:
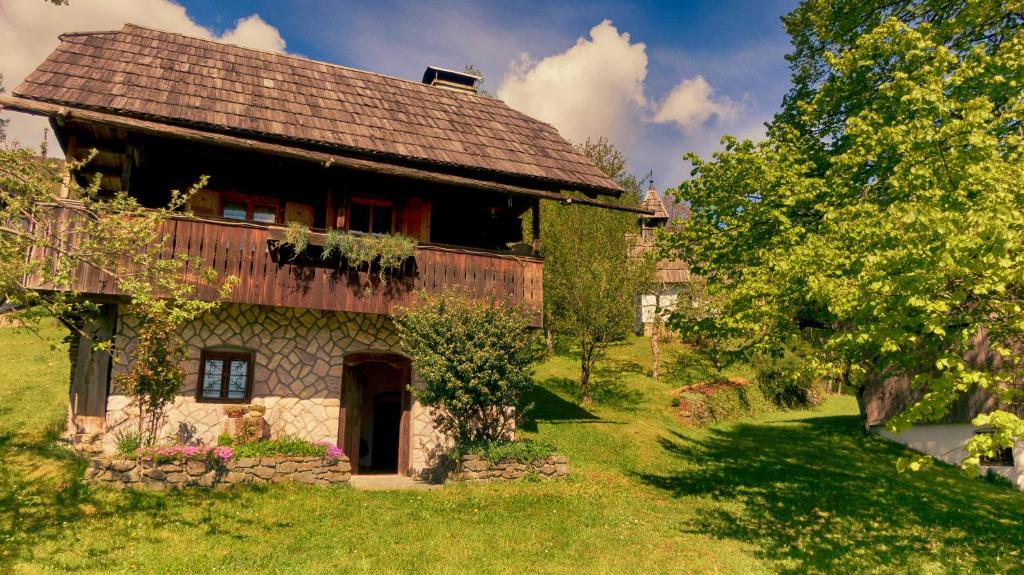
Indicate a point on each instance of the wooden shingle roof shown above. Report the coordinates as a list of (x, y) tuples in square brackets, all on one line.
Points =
[(176, 79)]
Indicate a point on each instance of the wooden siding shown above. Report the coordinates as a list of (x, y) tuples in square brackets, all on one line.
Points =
[(245, 251)]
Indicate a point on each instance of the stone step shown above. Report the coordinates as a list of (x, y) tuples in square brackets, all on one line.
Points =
[(389, 483)]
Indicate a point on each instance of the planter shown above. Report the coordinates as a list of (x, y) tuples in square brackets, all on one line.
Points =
[(137, 474), (476, 469)]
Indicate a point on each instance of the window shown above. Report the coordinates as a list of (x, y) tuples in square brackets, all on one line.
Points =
[(1003, 455), (249, 208), (371, 216), (225, 376)]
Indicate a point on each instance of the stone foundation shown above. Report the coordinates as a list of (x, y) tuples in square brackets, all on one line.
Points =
[(476, 469), (132, 474)]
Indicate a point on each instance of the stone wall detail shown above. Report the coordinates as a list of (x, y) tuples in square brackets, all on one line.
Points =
[(476, 469), (298, 357), (138, 474)]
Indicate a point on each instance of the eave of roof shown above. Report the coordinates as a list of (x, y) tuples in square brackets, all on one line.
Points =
[(491, 141), (67, 113)]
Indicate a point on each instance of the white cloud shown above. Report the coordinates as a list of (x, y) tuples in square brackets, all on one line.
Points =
[(691, 103), (29, 30), (593, 89)]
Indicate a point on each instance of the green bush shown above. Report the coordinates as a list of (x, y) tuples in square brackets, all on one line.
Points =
[(502, 451), (475, 358), (284, 446), (787, 383), (720, 401), (128, 442)]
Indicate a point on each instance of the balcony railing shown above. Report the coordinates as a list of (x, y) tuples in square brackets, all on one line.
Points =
[(268, 277)]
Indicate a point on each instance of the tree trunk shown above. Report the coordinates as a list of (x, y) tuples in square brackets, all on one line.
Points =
[(655, 350), (586, 353), (549, 336)]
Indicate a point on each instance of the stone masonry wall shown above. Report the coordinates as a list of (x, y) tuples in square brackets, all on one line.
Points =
[(298, 357), (476, 469), (132, 474)]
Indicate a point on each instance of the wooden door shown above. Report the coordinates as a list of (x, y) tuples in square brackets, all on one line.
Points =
[(349, 423), (404, 428)]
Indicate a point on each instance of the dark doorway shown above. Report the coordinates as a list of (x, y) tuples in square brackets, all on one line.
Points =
[(387, 420), (374, 426)]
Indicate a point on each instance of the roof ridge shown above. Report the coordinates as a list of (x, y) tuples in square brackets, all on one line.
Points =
[(303, 58)]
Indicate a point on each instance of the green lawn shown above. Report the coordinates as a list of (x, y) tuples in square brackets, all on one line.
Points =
[(794, 492)]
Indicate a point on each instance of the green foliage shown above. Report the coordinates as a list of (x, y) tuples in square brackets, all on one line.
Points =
[(119, 238), (882, 221), (592, 273), (285, 446), (356, 250), (475, 359), (720, 401), (296, 237), (787, 382), (523, 451), (225, 440), (127, 443)]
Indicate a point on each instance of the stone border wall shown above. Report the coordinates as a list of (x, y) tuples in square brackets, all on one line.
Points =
[(476, 469), (132, 474)]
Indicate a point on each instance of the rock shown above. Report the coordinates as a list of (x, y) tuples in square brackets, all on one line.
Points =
[(304, 477), (268, 462), (99, 462), (247, 462), (306, 466), (287, 467), (176, 477), (471, 458), (196, 467), (154, 473), (559, 459), (170, 467), (547, 469), (475, 465), (122, 465), (263, 472), (562, 469)]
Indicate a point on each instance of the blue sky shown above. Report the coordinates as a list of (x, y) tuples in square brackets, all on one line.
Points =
[(657, 78)]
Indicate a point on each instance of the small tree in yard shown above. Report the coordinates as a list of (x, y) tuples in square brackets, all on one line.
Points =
[(475, 358), (593, 271), (122, 240)]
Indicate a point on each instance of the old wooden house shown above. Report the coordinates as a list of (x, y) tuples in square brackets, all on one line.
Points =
[(286, 139)]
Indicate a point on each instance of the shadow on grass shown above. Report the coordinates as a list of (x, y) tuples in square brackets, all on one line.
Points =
[(549, 407), (605, 389), (42, 497), (821, 497)]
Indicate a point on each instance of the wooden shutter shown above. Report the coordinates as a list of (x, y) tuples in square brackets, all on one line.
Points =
[(205, 203), (416, 219), (296, 212)]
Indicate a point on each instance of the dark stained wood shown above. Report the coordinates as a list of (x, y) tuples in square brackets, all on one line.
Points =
[(244, 250)]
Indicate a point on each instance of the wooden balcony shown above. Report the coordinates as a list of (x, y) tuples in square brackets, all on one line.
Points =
[(268, 277)]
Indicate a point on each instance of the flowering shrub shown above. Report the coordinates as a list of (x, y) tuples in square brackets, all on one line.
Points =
[(183, 453), (331, 452)]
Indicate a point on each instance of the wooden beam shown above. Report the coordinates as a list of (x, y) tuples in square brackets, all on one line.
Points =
[(295, 152), (535, 226)]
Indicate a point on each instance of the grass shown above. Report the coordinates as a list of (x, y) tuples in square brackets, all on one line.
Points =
[(791, 492)]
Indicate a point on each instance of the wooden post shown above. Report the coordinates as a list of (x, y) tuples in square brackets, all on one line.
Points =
[(535, 216), (329, 208)]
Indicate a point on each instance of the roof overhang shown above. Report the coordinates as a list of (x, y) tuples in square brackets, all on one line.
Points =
[(61, 114)]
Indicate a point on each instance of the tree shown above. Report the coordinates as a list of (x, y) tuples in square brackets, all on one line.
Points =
[(881, 220), (593, 272), (475, 359), (122, 240)]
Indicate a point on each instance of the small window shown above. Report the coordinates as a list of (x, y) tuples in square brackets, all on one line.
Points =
[(371, 216), (259, 209), (1004, 456), (234, 211), (225, 377)]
